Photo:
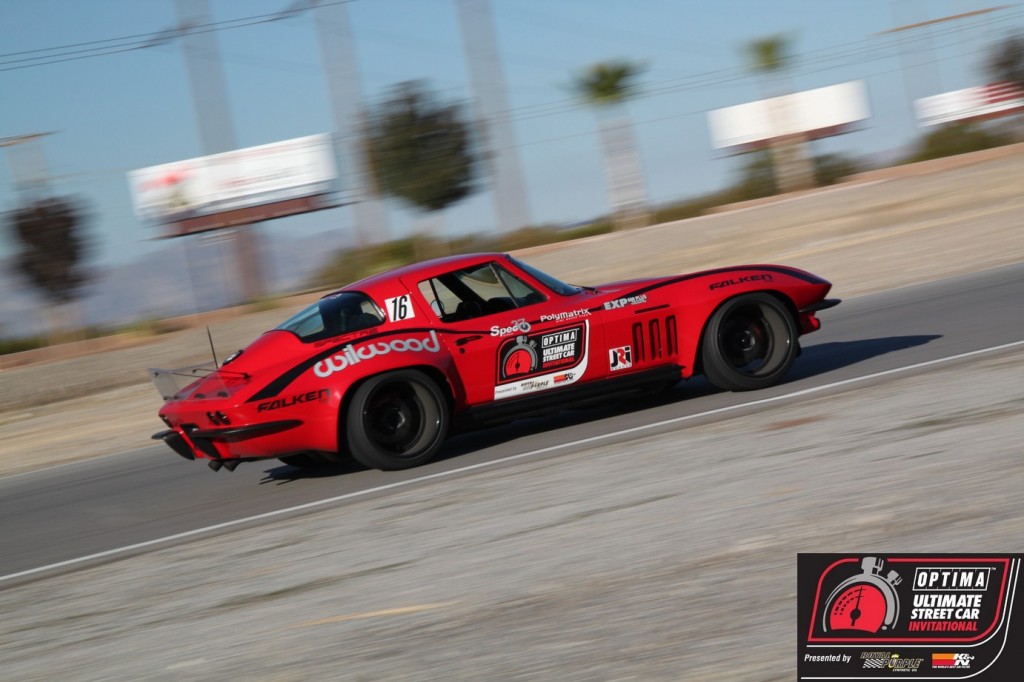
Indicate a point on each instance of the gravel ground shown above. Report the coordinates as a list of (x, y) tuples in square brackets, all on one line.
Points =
[(674, 558), (864, 238)]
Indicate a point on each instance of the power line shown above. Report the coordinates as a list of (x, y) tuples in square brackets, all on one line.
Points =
[(68, 52), (695, 112), (729, 75), (839, 55)]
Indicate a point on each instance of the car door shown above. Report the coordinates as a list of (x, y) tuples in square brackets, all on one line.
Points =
[(507, 337)]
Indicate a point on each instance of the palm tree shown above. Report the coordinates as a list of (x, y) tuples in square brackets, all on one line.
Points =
[(793, 170), (607, 86)]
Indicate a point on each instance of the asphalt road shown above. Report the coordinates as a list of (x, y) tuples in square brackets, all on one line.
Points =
[(59, 515)]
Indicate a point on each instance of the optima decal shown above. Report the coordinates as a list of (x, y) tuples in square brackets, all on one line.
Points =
[(886, 616), (352, 355), (535, 362), (301, 398)]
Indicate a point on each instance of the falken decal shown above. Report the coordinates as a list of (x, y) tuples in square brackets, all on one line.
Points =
[(298, 399), (740, 280)]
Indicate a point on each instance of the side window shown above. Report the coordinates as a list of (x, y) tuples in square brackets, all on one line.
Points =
[(522, 292), (474, 292), (441, 299)]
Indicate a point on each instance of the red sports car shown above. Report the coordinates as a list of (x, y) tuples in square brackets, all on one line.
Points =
[(381, 370)]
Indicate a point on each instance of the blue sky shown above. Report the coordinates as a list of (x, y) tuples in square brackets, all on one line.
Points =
[(115, 113)]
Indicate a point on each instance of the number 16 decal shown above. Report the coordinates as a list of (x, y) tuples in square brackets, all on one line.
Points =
[(400, 308)]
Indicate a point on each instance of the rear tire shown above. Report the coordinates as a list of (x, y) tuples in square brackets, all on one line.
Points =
[(397, 420), (750, 342)]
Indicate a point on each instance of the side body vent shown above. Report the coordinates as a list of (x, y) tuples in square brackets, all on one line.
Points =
[(655, 339)]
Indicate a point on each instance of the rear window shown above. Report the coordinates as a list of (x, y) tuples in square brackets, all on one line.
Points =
[(333, 315)]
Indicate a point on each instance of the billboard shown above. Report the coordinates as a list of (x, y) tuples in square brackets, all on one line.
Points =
[(234, 187), (983, 101), (814, 113)]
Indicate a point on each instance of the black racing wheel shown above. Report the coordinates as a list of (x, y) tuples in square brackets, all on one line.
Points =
[(396, 420), (750, 342)]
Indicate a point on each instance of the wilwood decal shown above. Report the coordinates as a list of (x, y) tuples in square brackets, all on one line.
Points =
[(352, 354)]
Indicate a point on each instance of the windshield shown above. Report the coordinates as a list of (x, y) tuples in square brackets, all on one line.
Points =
[(333, 315), (556, 285)]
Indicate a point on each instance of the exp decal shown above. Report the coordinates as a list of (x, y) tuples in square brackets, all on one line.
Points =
[(929, 603), (741, 280), (352, 355), (277, 404), (623, 302)]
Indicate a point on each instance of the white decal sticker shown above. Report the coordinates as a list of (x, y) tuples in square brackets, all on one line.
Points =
[(620, 358), (352, 355), (517, 326), (623, 302), (569, 315), (556, 348), (400, 308)]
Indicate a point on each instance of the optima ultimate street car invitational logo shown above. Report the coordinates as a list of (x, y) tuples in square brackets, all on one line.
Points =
[(879, 616), (535, 362)]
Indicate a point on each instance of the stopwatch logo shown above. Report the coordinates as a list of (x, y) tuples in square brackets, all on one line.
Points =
[(519, 359), (867, 601)]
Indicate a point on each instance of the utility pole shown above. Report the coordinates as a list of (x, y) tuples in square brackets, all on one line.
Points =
[(494, 125), (344, 86), (929, 62), (27, 162), (216, 129)]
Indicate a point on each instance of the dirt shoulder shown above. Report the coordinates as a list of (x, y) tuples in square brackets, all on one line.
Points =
[(675, 562), (923, 223)]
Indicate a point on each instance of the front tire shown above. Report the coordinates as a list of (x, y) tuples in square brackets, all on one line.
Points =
[(750, 342), (397, 420)]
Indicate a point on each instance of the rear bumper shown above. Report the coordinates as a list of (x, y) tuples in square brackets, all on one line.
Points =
[(220, 443)]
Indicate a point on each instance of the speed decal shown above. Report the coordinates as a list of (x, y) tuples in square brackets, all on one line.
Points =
[(400, 308)]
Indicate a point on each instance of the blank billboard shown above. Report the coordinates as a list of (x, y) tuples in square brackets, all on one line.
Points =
[(812, 113), (240, 179)]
